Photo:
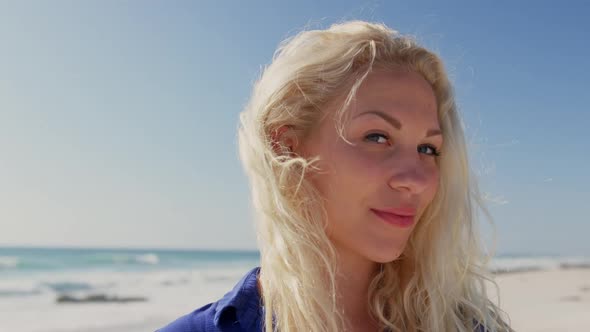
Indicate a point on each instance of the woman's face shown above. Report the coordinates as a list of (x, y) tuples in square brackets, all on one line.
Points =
[(376, 188)]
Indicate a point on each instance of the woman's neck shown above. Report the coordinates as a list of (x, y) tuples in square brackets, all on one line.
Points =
[(353, 279)]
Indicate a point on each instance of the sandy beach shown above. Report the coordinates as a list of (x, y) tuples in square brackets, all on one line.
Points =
[(544, 296), (537, 301), (547, 301)]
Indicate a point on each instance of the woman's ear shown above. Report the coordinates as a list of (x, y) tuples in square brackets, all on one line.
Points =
[(284, 140)]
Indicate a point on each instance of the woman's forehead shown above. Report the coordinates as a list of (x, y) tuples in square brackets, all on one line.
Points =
[(399, 92), (398, 88)]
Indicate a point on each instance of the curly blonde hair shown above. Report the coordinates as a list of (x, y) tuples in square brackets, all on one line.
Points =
[(438, 284)]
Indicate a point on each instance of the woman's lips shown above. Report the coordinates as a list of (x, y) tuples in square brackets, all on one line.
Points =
[(403, 221)]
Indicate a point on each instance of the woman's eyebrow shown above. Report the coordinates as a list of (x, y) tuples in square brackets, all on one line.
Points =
[(396, 123)]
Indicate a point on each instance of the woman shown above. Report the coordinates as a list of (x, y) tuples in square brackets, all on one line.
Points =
[(359, 176)]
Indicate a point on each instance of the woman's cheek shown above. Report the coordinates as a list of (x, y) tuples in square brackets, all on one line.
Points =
[(433, 183)]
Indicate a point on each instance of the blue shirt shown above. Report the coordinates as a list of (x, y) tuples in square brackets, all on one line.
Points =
[(240, 310)]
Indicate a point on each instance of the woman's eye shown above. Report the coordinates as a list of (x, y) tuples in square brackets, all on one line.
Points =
[(377, 138), (429, 150)]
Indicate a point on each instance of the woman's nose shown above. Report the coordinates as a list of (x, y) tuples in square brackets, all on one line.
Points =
[(409, 173)]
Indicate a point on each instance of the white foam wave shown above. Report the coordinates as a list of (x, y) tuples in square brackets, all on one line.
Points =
[(520, 264), (9, 262), (152, 259), (149, 259)]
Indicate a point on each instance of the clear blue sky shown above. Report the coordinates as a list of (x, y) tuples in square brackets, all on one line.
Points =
[(118, 118)]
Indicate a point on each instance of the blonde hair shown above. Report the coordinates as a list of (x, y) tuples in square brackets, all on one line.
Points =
[(438, 283)]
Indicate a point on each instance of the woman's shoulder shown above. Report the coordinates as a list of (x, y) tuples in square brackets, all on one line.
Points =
[(200, 320), (238, 311)]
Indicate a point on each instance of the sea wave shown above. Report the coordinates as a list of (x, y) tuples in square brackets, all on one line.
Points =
[(9, 262), (125, 259), (152, 259), (522, 264), (67, 287), (19, 292)]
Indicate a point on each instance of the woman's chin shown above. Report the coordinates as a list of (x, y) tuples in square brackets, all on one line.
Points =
[(386, 256)]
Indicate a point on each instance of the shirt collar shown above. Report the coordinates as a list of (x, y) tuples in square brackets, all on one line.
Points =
[(244, 298)]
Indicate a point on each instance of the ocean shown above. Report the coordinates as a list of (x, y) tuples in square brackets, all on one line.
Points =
[(82, 289)]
